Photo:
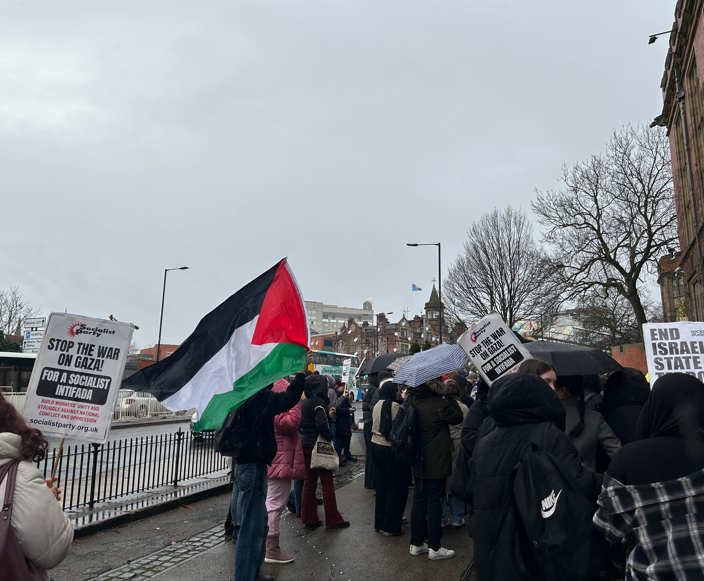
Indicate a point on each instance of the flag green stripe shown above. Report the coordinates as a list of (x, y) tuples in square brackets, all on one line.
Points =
[(284, 360)]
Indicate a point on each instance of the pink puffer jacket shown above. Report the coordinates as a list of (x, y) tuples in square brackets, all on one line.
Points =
[(288, 462)]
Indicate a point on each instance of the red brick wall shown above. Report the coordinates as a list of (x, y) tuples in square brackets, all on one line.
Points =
[(632, 355), (165, 351)]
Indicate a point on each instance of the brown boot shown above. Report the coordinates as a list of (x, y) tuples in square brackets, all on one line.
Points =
[(274, 554)]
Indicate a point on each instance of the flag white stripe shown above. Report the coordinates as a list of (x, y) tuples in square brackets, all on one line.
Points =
[(237, 358)]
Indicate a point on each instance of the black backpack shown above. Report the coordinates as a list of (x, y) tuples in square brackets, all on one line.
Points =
[(556, 516), (406, 434), (235, 435)]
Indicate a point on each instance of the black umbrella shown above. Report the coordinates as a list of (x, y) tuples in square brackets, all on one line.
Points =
[(570, 359), (377, 364)]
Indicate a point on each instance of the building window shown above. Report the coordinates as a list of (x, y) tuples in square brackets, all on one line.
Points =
[(683, 182), (696, 300), (696, 119), (677, 287), (404, 333)]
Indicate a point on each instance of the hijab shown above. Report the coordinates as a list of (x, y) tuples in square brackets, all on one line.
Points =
[(675, 409), (627, 387), (387, 392)]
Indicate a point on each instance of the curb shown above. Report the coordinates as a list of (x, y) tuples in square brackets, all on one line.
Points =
[(147, 511)]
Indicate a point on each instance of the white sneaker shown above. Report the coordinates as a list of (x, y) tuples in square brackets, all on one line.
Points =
[(419, 550), (459, 523), (440, 554)]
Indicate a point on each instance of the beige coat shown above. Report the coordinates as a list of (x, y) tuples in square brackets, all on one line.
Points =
[(41, 527)]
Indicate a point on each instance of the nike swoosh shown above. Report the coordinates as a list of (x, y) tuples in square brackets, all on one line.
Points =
[(550, 512)]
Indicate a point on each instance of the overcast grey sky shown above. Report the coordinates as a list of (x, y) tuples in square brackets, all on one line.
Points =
[(138, 136)]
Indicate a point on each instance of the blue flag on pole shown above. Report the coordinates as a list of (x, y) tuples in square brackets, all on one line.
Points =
[(417, 288)]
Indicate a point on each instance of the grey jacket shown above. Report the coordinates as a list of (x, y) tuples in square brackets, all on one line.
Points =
[(596, 431)]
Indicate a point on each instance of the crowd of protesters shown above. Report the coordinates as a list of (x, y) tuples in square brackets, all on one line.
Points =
[(631, 454), (635, 455)]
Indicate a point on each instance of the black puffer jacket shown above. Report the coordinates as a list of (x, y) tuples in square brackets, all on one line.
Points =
[(477, 413), (520, 405), (260, 410), (344, 427), (314, 421)]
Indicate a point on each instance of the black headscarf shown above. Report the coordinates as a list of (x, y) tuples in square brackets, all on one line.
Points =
[(387, 392), (627, 387), (675, 409)]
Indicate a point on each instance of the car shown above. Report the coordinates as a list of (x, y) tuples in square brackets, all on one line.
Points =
[(202, 433), (135, 404)]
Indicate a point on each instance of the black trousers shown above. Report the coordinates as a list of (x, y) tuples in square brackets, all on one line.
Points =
[(368, 463), (342, 445), (392, 480), (426, 513)]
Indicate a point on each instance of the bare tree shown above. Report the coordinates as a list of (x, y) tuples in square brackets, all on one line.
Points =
[(501, 269), (613, 218), (134, 348), (14, 311), (608, 319)]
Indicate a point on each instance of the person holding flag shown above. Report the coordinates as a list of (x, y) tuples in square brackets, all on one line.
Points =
[(259, 412), (258, 335)]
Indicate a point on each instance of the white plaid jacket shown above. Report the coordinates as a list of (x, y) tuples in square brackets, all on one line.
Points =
[(661, 523)]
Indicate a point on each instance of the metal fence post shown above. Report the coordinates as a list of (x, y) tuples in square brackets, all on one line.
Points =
[(96, 449), (179, 437)]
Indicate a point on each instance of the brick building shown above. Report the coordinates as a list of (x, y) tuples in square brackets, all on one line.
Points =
[(150, 352), (685, 61), (395, 337), (671, 281)]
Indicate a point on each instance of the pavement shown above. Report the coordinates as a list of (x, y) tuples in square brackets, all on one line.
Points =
[(187, 544)]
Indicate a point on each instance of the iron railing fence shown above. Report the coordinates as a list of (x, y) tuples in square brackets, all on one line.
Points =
[(92, 473)]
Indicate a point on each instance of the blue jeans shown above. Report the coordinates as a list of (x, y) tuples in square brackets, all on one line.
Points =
[(456, 508), (252, 483), (235, 502)]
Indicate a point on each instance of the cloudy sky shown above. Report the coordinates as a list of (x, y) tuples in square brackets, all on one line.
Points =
[(138, 136)]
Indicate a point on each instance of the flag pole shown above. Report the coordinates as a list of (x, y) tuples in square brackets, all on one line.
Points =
[(56, 459)]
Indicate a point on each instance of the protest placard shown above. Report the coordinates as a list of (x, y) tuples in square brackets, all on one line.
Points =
[(77, 376), (493, 348), (674, 348), (346, 364)]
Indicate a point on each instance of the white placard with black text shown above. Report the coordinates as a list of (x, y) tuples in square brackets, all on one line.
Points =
[(493, 348), (674, 348), (77, 376)]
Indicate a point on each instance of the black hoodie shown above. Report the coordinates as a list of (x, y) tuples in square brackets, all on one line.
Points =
[(520, 404), (315, 421)]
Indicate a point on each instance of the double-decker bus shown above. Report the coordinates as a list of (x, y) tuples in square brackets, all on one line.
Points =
[(328, 363)]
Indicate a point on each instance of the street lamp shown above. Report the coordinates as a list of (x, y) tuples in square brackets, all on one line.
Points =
[(377, 330), (653, 37), (161, 318), (438, 244)]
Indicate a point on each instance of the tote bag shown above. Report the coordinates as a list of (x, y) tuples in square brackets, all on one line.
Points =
[(12, 560), (324, 455)]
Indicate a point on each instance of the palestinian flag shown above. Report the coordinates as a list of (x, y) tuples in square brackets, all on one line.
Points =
[(258, 335)]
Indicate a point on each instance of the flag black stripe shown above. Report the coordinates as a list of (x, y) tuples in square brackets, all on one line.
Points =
[(165, 378)]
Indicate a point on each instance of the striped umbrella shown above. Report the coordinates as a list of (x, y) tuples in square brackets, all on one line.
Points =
[(431, 364)]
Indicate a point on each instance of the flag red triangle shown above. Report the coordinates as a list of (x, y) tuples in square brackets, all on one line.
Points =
[(282, 318)]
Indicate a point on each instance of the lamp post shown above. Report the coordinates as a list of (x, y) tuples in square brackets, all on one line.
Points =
[(438, 244), (377, 329), (161, 318)]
